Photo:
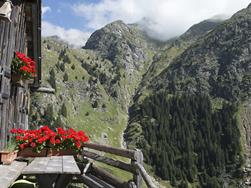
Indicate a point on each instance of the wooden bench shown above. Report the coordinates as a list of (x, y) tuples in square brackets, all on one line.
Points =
[(53, 172), (9, 173)]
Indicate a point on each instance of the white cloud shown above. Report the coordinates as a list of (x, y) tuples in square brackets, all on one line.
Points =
[(168, 17), (45, 9), (72, 36)]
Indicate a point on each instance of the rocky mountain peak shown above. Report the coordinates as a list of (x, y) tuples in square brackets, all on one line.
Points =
[(99, 40), (121, 43)]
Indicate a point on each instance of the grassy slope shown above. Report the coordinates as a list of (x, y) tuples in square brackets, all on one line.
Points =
[(76, 94)]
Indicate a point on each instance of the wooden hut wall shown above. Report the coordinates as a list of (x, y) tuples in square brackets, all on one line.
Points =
[(13, 107)]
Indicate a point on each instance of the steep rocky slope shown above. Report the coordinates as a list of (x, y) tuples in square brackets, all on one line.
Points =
[(173, 48), (217, 64), (129, 50)]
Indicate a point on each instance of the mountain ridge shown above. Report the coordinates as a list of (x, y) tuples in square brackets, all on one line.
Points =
[(214, 69)]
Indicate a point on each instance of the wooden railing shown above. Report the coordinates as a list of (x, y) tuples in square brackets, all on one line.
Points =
[(135, 167)]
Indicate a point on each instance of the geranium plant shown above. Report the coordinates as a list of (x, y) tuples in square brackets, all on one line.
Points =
[(23, 66), (47, 138)]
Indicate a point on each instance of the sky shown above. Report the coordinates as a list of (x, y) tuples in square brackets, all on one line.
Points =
[(75, 20)]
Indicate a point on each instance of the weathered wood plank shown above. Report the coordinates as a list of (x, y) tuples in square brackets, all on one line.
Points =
[(37, 166), (3, 132), (5, 44), (2, 26), (19, 95), (70, 166), (115, 163), (5, 91), (20, 43), (54, 165), (35, 35), (8, 174), (108, 149), (18, 22), (12, 37)]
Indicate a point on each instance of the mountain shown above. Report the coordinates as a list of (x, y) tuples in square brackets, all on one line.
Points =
[(218, 64), (190, 114), (174, 47), (93, 85), (129, 49), (200, 29), (185, 102), (82, 100)]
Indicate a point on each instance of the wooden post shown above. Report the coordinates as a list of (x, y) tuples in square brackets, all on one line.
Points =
[(145, 176), (137, 176)]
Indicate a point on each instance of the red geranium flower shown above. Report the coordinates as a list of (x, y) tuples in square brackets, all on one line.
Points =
[(45, 137), (33, 145), (23, 66)]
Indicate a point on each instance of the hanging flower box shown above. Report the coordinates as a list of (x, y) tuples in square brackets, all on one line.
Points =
[(22, 68), (45, 152), (28, 152), (45, 142)]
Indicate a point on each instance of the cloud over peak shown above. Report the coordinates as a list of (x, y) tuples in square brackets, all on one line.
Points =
[(168, 18)]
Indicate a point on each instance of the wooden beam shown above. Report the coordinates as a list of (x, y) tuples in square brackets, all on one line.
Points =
[(101, 182), (88, 181), (145, 175), (87, 167), (107, 177), (115, 163), (108, 149)]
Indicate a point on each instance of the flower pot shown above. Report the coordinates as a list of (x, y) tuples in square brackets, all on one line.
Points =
[(54, 152), (8, 156), (28, 152)]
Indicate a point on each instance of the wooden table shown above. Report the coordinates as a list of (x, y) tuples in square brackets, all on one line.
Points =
[(52, 172), (9, 173)]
